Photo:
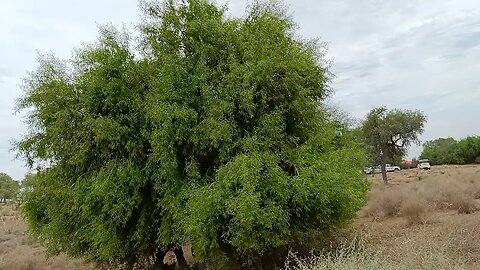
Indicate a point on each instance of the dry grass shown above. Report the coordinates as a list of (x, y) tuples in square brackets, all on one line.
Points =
[(433, 216), (414, 211), (384, 203), (476, 195), (366, 257), (443, 188), (464, 204), (422, 220), (457, 191), (388, 202)]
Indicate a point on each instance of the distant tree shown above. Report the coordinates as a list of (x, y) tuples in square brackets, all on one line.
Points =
[(387, 134), (468, 150), (441, 151), (9, 188), (449, 151), (213, 133)]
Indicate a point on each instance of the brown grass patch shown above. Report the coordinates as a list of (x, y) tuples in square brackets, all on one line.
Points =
[(414, 211), (438, 221), (464, 204), (384, 203)]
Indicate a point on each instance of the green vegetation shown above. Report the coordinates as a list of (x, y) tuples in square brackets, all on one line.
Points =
[(450, 151), (387, 134), (9, 188), (212, 131)]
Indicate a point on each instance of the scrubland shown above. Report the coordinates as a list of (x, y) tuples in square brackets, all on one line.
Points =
[(422, 220)]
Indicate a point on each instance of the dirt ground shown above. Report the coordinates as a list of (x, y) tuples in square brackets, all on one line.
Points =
[(421, 213)]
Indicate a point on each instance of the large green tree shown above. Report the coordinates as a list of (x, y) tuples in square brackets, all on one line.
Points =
[(9, 188), (210, 131), (387, 134)]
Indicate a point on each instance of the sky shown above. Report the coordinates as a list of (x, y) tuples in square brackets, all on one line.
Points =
[(406, 54)]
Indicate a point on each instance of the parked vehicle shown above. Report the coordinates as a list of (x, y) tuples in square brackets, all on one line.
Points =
[(424, 164), (378, 169), (368, 170), (390, 168)]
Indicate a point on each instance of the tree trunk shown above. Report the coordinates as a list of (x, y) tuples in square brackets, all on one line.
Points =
[(384, 171), (181, 262), (159, 265)]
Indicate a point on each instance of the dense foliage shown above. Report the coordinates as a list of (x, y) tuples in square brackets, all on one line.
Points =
[(9, 188), (450, 151), (211, 131), (387, 134)]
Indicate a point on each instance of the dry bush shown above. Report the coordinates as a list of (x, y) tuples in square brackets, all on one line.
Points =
[(384, 203), (455, 199), (475, 188), (395, 201), (414, 211), (464, 204)]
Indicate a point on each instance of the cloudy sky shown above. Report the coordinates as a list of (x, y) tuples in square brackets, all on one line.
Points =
[(407, 54)]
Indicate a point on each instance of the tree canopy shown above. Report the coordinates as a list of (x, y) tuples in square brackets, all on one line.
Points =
[(387, 134), (9, 188), (450, 151), (210, 130)]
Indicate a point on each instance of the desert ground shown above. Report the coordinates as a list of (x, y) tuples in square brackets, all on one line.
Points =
[(425, 219), (421, 220)]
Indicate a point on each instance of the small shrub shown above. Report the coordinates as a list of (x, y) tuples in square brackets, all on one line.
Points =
[(414, 211), (385, 203), (464, 205), (454, 198)]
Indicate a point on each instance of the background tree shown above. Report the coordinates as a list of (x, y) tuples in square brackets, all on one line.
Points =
[(468, 150), (214, 133), (449, 151), (441, 151), (387, 134), (9, 188)]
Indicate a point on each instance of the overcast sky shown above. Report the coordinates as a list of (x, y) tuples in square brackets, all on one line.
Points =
[(406, 54)]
